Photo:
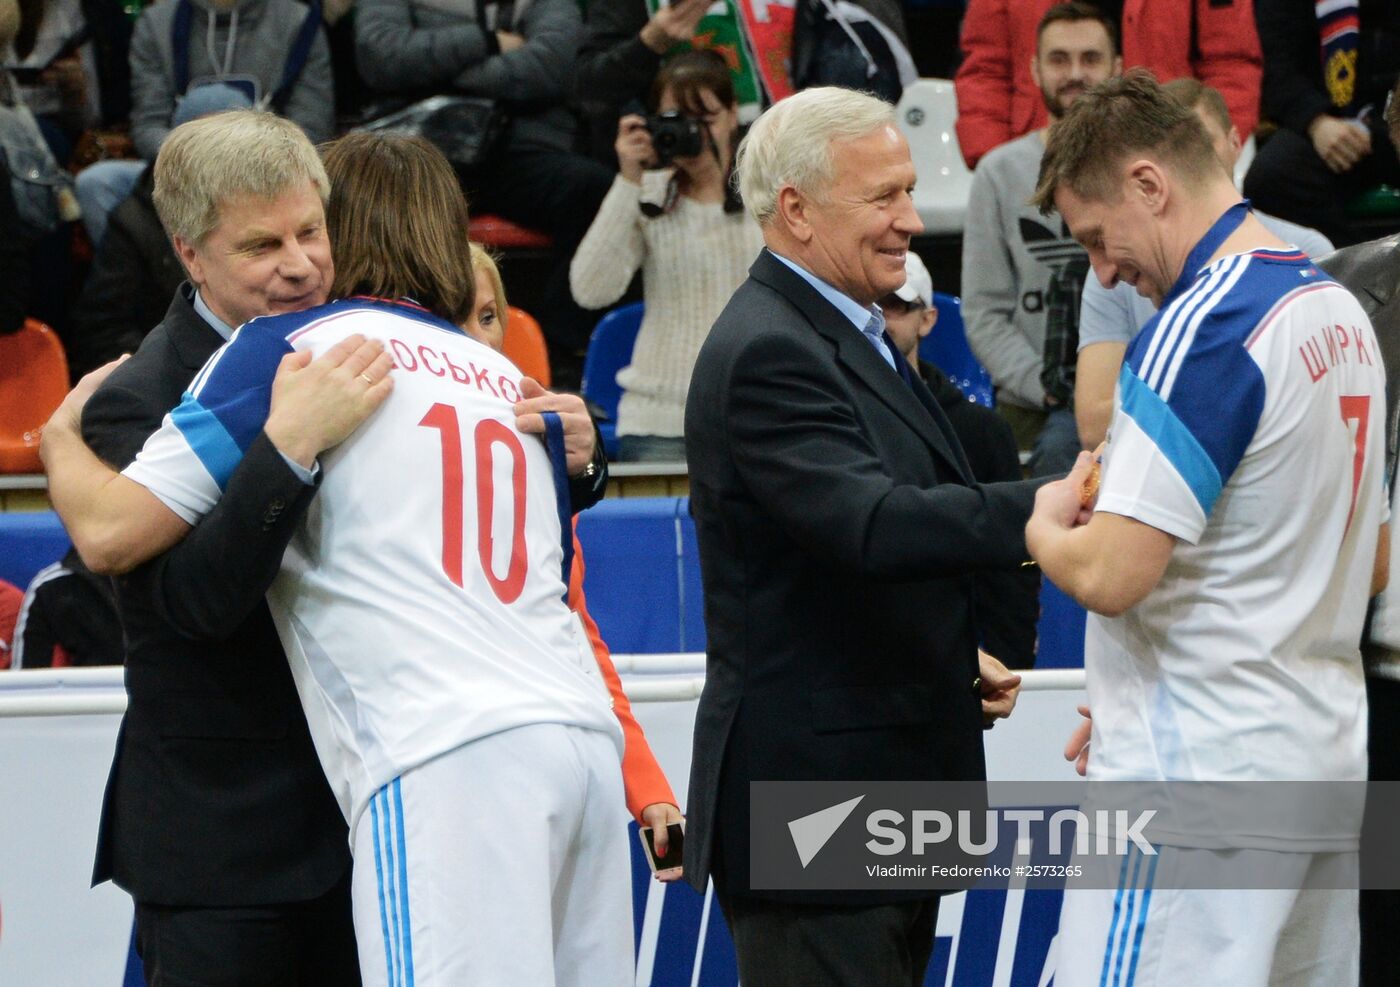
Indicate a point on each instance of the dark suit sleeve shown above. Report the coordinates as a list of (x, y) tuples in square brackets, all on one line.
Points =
[(209, 582), (117, 420), (800, 450)]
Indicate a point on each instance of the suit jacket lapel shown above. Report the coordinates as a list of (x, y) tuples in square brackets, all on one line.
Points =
[(193, 339), (860, 358)]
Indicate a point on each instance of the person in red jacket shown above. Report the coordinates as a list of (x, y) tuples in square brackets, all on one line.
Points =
[(1211, 40)]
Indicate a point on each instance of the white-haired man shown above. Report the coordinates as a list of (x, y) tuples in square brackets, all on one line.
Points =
[(838, 526), (1228, 562)]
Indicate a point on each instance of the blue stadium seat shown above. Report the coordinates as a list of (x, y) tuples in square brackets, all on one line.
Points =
[(29, 540), (946, 348), (609, 351), (632, 574)]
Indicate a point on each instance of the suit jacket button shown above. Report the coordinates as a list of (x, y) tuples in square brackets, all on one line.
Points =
[(273, 512)]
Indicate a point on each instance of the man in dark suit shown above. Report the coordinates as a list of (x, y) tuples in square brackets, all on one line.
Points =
[(1371, 271), (217, 817), (1008, 601), (839, 531)]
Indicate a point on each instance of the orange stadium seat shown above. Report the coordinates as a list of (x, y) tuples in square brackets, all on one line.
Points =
[(33, 381), (524, 345)]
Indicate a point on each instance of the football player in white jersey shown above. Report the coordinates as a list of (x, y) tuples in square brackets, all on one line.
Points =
[(1229, 557), (453, 697)]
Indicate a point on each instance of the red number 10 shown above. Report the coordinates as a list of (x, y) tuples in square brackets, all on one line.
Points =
[(489, 432)]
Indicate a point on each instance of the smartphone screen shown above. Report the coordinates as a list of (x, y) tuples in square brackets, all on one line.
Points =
[(676, 834)]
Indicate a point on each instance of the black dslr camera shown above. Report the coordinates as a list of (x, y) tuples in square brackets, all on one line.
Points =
[(674, 135)]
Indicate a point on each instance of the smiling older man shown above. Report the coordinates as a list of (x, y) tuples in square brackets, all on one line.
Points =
[(839, 531)]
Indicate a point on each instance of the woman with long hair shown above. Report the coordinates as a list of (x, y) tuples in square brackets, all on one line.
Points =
[(691, 238)]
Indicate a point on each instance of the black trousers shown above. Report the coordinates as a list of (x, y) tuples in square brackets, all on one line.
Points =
[(1380, 909), (788, 945), (1287, 179), (558, 192), (296, 944)]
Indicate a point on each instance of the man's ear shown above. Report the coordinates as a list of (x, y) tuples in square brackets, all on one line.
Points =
[(792, 209), (1035, 70), (927, 320), (1148, 182), (189, 257)]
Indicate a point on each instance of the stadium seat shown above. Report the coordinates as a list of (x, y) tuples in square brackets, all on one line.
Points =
[(502, 234), (609, 351), (29, 541), (925, 115), (524, 345), (33, 381), (946, 348)]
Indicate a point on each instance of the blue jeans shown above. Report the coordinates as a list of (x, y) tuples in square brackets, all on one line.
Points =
[(1057, 445), (100, 188)]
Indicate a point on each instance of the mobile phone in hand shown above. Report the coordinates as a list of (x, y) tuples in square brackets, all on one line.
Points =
[(676, 834)]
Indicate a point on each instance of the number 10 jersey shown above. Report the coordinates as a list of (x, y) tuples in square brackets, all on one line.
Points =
[(421, 601)]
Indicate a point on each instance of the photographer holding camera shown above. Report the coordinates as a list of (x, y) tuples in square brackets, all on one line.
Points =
[(672, 212)]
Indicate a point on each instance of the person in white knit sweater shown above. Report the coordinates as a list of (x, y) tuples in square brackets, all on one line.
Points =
[(693, 254)]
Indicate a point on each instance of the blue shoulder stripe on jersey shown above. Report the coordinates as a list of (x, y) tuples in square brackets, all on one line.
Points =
[(208, 438), (1167, 432)]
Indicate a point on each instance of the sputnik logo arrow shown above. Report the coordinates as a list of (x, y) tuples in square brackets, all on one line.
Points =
[(810, 833)]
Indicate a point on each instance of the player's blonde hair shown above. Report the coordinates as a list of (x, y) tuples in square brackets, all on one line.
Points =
[(791, 144), (398, 224), (207, 162)]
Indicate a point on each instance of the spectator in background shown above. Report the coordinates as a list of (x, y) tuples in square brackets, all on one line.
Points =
[(36, 204), (1011, 251), (135, 272), (74, 57), (526, 60), (1210, 40), (1110, 317), (1327, 70), (692, 239), (14, 250), (1008, 604), (250, 44), (620, 56)]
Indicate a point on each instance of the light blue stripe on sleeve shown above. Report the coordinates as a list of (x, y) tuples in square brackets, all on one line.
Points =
[(1167, 432), (207, 438)]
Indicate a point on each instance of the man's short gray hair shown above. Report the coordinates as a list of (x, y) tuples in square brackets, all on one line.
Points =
[(791, 144), (206, 162)]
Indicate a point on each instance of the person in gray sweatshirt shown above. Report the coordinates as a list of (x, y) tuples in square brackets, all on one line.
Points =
[(1011, 252), (246, 43)]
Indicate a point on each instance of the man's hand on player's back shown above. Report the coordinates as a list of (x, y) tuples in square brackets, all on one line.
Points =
[(318, 403)]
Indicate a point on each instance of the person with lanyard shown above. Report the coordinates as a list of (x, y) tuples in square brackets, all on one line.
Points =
[(1227, 561)]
